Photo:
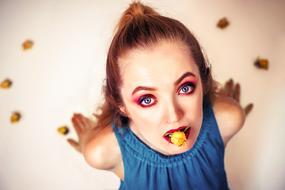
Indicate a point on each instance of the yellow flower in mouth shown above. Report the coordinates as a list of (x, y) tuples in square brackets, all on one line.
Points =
[(178, 138)]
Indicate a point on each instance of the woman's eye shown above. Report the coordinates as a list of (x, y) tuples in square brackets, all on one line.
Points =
[(146, 101), (187, 88)]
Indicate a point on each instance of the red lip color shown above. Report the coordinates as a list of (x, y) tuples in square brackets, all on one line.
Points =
[(187, 132)]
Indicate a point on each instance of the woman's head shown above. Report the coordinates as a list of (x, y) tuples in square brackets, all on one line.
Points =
[(161, 91), (142, 31)]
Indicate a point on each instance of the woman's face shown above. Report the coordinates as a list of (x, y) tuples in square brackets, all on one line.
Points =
[(162, 91)]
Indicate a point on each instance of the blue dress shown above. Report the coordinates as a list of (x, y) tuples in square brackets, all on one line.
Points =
[(201, 167)]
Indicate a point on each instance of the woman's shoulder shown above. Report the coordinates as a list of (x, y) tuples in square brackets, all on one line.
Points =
[(102, 151), (229, 115)]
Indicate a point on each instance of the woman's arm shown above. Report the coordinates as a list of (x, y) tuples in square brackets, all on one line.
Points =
[(230, 117), (98, 146), (229, 113)]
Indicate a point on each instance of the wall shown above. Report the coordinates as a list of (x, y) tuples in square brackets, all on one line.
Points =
[(64, 71)]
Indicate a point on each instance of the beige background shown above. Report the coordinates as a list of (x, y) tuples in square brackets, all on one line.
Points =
[(64, 71)]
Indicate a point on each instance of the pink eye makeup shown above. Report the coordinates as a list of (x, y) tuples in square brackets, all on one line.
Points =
[(187, 88), (146, 100)]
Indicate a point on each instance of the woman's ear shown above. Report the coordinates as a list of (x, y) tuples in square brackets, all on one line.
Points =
[(123, 111)]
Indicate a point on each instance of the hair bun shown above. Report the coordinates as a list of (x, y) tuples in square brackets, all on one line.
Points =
[(138, 9), (135, 10)]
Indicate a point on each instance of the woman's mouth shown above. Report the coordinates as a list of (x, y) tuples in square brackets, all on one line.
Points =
[(177, 136)]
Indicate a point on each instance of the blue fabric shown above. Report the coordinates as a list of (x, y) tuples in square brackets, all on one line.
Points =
[(201, 167)]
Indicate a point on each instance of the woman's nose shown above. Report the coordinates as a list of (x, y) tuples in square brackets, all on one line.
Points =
[(175, 112)]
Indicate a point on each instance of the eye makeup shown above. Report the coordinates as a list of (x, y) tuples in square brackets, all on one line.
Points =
[(186, 88), (146, 100)]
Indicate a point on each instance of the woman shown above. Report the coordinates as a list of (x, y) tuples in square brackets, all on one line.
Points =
[(162, 125)]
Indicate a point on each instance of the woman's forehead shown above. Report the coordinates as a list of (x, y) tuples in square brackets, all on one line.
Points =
[(160, 47), (159, 62), (162, 58)]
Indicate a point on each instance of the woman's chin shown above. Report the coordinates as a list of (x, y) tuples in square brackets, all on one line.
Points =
[(172, 149)]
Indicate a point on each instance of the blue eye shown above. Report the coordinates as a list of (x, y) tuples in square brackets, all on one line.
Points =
[(187, 88), (146, 101)]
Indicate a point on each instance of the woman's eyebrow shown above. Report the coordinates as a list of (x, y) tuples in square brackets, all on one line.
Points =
[(153, 89), (143, 88), (187, 74)]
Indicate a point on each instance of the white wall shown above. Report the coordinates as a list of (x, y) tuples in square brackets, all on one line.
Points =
[(64, 71)]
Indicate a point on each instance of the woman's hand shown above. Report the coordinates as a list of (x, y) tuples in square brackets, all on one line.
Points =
[(84, 128), (97, 144), (229, 89)]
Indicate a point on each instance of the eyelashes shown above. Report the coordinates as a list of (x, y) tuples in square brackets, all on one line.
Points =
[(149, 100), (186, 88)]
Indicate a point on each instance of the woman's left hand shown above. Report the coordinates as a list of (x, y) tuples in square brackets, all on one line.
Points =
[(232, 90)]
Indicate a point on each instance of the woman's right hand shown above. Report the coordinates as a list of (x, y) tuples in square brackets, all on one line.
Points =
[(84, 128), (98, 145)]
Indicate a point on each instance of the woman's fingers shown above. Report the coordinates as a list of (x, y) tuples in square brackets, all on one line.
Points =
[(74, 144), (248, 108), (76, 124), (82, 123), (229, 87), (233, 90), (236, 93), (88, 123), (226, 89)]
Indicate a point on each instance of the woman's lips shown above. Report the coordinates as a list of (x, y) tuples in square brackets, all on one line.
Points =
[(185, 129)]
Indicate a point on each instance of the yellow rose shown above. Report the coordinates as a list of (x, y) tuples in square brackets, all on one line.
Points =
[(178, 138)]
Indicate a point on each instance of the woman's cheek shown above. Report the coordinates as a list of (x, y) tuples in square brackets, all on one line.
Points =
[(147, 116)]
